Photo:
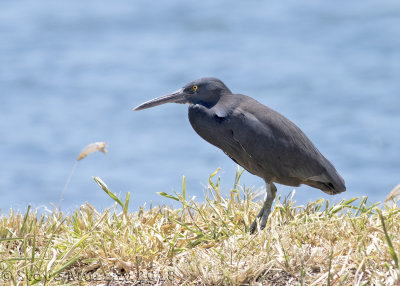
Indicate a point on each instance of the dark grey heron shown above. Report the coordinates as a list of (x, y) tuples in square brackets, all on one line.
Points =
[(259, 139)]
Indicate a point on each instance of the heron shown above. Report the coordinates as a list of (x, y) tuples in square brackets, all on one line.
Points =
[(256, 137)]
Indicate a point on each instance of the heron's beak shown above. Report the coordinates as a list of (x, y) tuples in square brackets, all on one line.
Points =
[(178, 96)]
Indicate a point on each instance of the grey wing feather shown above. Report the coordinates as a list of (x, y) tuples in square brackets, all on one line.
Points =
[(282, 149), (265, 143)]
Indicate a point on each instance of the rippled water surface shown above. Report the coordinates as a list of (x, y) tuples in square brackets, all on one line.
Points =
[(70, 73)]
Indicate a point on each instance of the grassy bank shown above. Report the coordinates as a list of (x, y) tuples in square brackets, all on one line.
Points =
[(350, 243)]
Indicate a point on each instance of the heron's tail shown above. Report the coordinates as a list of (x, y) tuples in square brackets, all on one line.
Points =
[(328, 188), (331, 183)]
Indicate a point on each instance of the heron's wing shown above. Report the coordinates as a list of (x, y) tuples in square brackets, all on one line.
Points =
[(277, 145), (263, 142)]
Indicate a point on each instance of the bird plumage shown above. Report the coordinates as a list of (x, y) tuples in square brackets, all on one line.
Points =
[(261, 140), (264, 142)]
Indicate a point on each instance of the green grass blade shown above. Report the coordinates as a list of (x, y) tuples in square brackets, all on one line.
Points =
[(65, 265), (108, 192), (168, 196), (186, 226), (10, 239), (25, 218), (389, 241), (126, 205)]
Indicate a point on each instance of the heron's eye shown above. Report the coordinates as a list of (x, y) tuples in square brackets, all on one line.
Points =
[(195, 88)]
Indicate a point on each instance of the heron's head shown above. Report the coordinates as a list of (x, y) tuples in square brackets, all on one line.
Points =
[(206, 91)]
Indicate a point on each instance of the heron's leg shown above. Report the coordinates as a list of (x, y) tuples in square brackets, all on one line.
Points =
[(266, 208)]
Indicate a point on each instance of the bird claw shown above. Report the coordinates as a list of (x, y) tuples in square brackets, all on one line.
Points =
[(261, 216), (253, 226)]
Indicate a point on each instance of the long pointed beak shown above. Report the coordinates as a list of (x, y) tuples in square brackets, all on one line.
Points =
[(178, 96)]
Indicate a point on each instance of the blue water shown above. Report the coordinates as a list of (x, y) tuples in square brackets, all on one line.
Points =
[(70, 73)]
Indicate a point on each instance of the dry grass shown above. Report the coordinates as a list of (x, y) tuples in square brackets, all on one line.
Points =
[(349, 243)]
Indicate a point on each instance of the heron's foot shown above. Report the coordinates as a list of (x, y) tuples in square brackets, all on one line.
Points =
[(253, 226), (263, 216), (265, 210)]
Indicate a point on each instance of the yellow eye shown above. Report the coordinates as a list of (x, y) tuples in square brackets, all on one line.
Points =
[(195, 87)]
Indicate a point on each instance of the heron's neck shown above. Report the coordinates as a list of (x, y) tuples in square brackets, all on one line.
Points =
[(209, 101)]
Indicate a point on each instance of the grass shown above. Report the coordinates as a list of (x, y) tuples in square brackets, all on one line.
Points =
[(349, 243)]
